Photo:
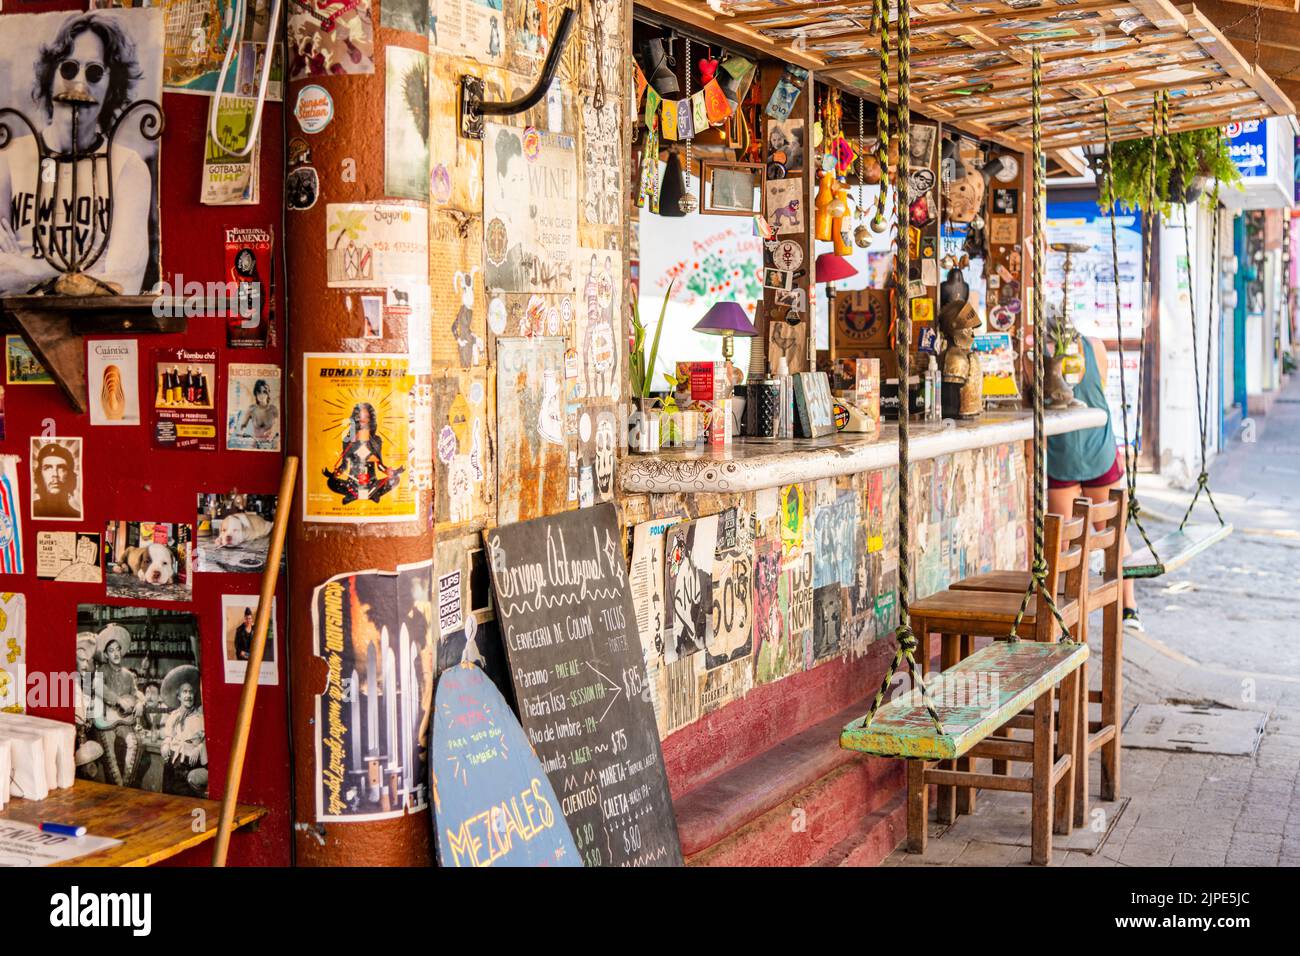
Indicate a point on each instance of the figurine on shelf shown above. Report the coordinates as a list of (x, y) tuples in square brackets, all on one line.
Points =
[(963, 378)]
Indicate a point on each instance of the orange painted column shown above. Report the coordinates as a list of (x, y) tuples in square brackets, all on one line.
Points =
[(357, 201)]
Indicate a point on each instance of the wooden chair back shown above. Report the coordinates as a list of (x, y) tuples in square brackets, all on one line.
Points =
[(1065, 543)]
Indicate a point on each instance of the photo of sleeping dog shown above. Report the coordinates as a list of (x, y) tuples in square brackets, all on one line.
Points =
[(233, 532), (148, 560)]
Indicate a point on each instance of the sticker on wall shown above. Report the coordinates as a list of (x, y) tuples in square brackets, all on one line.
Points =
[(461, 419), (232, 532), (314, 108), (601, 166), (530, 211), (13, 653), (69, 556), (148, 560), (356, 411), (114, 647), (21, 366), (689, 554), (783, 205), (238, 626), (184, 399), (57, 479), (11, 518), (231, 179), (53, 233), (600, 322), (330, 37), (406, 122), (374, 631), (474, 29), (253, 419), (250, 268), (730, 633), (301, 188), (792, 518), (532, 446), (375, 245), (113, 381)]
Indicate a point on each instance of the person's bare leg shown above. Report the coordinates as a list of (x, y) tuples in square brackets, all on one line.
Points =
[(1060, 501), (1101, 495)]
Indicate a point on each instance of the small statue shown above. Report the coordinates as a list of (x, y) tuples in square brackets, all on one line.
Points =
[(961, 367)]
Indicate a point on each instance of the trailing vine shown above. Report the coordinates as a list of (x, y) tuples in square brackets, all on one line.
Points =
[(1189, 162)]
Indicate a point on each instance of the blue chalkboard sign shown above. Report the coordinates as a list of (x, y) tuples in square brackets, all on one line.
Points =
[(492, 802)]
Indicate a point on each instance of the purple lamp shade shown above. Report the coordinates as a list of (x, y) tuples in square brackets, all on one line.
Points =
[(831, 268), (726, 318)]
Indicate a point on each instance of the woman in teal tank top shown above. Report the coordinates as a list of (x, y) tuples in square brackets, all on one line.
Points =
[(1088, 462)]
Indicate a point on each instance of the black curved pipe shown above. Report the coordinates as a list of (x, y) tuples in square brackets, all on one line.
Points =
[(473, 108)]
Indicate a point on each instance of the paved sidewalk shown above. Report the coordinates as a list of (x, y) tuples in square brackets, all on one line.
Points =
[(1220, 632)]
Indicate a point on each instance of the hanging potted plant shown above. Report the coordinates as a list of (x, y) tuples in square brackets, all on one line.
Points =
[(1185, 165)]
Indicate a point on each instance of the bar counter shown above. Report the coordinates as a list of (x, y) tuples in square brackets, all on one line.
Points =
[(751, 466)]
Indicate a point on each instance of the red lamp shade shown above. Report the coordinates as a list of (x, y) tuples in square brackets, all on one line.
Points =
[(831, 267), (726, 318)]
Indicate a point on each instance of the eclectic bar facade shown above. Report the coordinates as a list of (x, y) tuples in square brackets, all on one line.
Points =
[(472, 208)]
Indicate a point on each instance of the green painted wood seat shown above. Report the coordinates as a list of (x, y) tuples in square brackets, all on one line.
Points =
[(1174, 550), (974, 698)]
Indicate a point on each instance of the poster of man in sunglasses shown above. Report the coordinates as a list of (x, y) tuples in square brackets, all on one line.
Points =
[(79, 164)]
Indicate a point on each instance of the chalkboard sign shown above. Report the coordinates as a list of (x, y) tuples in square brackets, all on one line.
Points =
[(570, 632), (493, 804)]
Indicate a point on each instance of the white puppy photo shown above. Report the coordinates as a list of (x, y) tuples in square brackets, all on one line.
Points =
[(233, 532), (148, 559)]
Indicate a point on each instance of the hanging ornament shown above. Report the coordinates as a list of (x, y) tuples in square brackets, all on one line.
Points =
[(688, 203)]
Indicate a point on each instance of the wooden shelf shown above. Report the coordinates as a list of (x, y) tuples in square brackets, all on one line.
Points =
[(152, 826), (53, 327)]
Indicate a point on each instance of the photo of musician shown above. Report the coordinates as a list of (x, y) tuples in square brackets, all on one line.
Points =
[(139, 706), (183, 744), (360, 472)]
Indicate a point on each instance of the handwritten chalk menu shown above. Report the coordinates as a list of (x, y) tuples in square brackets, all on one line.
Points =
[(567, 622), (493, 804)]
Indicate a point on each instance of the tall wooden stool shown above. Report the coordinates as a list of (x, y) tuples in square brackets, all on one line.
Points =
[(1105, 593), (959, 617)]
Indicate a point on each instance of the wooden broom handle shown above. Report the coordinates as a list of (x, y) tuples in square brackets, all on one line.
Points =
[(244, 718)]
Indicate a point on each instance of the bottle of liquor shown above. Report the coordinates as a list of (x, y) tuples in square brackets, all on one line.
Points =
[(204, 397)]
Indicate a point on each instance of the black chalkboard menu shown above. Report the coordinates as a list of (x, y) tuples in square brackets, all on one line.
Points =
[(570, 633)]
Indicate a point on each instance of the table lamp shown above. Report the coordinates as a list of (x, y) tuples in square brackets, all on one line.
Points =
[(727, 319)]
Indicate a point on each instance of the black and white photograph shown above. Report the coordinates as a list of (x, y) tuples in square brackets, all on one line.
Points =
[(79, 176), (148, 560), (56, 465), (689, 548), (139, 706), (233, 532)]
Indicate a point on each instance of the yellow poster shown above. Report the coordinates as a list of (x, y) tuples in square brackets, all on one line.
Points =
[(357, 438)]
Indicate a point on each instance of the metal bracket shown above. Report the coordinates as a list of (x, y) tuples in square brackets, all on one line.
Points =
[(472, 107)]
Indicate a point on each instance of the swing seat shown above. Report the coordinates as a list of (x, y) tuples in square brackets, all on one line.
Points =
[(1174, 550), (1013, 675)]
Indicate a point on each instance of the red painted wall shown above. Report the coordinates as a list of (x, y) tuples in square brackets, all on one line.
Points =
[(126, 478)]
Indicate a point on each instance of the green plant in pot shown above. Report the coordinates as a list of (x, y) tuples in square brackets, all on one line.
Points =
[(1185, 164), (641, 366)]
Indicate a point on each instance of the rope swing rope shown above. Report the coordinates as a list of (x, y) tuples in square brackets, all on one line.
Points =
[(907, 643), (1038, 575)]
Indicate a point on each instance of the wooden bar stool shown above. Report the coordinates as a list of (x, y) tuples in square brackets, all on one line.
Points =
[(1105, 593), (961, 616)]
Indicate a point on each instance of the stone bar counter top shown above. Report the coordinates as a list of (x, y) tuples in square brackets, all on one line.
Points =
[(749, 466)]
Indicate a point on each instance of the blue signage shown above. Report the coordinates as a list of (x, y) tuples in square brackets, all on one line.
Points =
[(1248, 147), (493, 804)]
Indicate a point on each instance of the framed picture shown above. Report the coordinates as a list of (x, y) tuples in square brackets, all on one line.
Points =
[(730, 189)]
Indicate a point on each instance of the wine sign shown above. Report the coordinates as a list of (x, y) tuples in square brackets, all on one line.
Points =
[(494, 805), (567, 622)]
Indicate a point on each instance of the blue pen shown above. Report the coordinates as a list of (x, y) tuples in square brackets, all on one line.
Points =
[(63, 829)]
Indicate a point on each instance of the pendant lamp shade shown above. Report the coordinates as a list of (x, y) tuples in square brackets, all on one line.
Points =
[(832, 267)]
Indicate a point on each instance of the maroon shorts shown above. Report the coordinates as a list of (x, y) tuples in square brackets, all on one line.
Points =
[(1104, 480)]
